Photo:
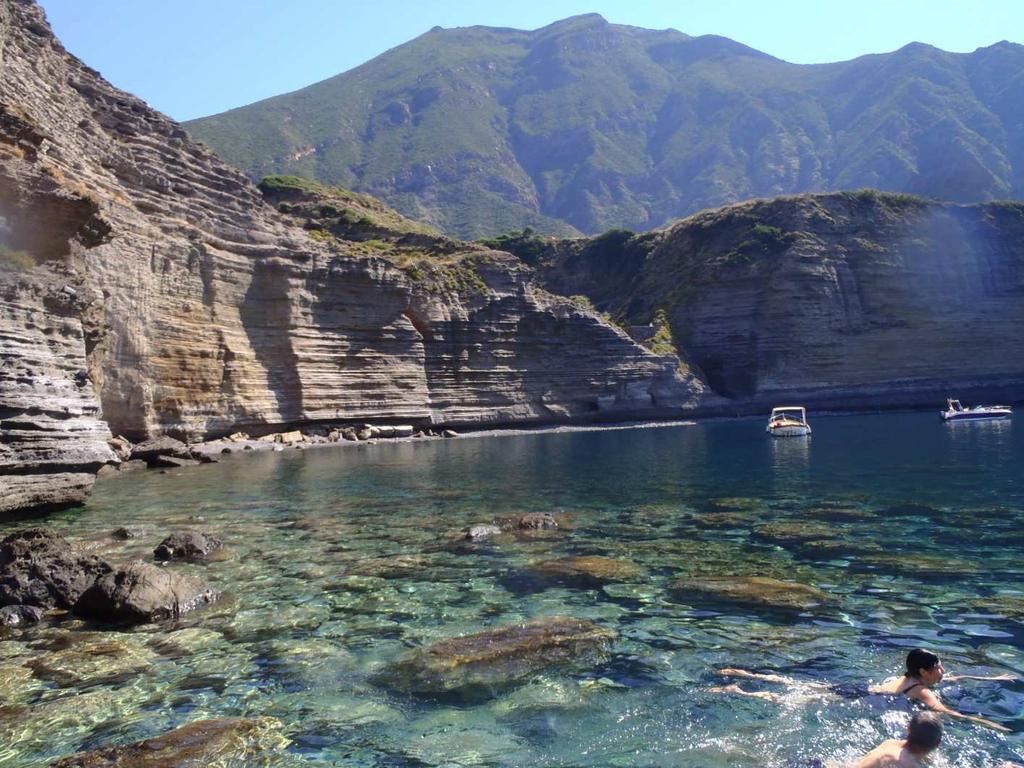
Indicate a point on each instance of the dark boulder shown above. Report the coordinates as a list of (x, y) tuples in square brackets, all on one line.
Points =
[(40, 568), (187, 545), (19, 615), (160, 446), (172, 462), (142, 592), (537, 521)]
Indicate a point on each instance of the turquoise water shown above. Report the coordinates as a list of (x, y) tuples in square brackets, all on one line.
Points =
[(914, 526)]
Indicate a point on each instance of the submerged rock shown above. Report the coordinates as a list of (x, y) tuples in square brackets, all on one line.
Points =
[(187, 545), (919, 565), (753, 592), (40, 568), (391, 567), (499, 657), (795, 531), (588, 570), (228, 741), (93, 658), (142, 592)]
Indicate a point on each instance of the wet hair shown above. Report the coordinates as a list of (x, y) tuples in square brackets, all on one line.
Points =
[(925, 732), (919, 659)]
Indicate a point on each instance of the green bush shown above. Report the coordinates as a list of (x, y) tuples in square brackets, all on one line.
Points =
[(14, 259)]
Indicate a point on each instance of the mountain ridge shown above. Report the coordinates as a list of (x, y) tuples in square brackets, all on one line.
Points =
[(584, 125)]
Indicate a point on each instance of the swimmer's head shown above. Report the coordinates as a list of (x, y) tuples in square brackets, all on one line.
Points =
[(924, 733), (925, 666)]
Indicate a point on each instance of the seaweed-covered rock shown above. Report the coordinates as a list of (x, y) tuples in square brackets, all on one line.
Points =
[(753, 592), (234, 741), (187, 545), (499, 657), (142, 592), (587, 570), (39, 567)]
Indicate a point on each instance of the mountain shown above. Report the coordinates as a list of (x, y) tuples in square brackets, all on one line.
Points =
[(149, 289), (852, 299), (584, 125)]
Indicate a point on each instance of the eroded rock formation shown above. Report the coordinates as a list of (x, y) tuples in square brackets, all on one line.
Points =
[(142, 275), (855, 299)]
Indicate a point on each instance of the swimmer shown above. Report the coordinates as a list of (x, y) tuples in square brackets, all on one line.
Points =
[(923, 736), (924, 670)]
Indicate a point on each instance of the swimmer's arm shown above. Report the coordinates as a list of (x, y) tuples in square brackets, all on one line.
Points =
[(934, 703), (1001, 678), (733, 672)]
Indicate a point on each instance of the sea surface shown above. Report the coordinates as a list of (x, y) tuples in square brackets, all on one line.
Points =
[(340, 560)]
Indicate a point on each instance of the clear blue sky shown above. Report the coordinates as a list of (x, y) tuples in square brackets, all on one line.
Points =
[(191, 58)]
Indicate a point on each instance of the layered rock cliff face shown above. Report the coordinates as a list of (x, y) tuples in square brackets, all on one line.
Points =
[(850, 299), (143, 275)]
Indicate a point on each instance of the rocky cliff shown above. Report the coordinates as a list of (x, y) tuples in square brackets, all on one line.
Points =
[(143, 278), (849, 299)]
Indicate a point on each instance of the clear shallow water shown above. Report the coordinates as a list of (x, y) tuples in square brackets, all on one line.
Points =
[(919, 527)]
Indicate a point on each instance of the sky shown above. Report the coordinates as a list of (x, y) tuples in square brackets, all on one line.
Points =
[(191, 58)]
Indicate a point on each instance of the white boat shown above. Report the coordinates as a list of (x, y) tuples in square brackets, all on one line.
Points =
[(957, 412), (789, 421)]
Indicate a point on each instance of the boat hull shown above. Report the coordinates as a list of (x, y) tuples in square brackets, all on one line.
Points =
[(789, 431), (975, 415)]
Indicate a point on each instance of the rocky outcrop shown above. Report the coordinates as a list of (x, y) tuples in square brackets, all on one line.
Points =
[(191, 308), (848, 300), (142, 592), (40, 568)]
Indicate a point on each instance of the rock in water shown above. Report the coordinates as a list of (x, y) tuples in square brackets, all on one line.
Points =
[(19, 615), (482, 531), (588, 570), (753, 592), (496, 658), (39, 567), (160, 446), (228, 741), (537, 521), (142, 592), (187, 545)]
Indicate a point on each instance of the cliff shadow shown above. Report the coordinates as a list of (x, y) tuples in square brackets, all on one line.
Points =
[(266, 315)]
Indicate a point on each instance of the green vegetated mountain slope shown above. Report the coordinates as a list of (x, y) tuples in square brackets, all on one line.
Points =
[(585, 125), (851, 298)]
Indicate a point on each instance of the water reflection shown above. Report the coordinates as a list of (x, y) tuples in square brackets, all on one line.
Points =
[(791, 456)]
